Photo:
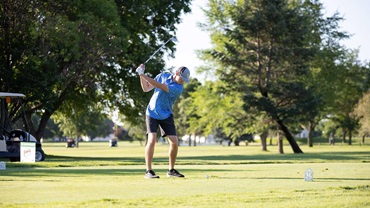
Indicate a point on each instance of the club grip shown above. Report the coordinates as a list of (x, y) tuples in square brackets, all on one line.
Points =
[(140, 70)]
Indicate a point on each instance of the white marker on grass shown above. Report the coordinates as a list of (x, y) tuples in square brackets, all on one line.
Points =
[(308, 175)]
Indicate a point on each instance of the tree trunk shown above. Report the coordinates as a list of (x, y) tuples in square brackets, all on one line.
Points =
[(195, 140), (349, 137), (77, 141), (189, 141), (311, 128), (42, 125), (310, 138), (363, 138), (289, 137), (4, 108), (344, 136), (331, 138), (264, 140), (280, 144)]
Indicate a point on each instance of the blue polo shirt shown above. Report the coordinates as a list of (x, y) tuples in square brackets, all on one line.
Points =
[(160, 105)]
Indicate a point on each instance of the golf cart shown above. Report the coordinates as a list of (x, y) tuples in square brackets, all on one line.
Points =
[(113, 143), (10, 139)]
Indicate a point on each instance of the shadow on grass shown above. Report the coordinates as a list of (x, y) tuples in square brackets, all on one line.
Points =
[(61, 174), (68, 172), (286, 158), (315, 179), (68, 166), (54, 158), (68, 161), (64, 172)]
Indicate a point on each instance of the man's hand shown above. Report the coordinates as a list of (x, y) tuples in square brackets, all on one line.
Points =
[(140, 70)]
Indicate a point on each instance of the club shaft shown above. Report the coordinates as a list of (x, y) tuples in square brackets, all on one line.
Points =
[(157, 51)]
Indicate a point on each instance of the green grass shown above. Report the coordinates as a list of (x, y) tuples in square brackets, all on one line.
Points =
[(95, 175)]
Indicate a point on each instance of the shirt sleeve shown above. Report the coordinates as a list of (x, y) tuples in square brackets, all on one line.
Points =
[(175, 90), (158, 77)]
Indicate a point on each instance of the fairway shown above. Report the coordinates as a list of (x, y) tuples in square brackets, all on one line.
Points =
[(95, 175)]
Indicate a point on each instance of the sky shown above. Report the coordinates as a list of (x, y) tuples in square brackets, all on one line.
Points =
[(191, 38)]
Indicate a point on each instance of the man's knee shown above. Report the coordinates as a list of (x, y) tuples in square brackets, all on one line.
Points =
[(152, 139), (173, 140)]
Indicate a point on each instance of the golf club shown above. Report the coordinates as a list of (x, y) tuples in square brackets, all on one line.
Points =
[(173, 39)]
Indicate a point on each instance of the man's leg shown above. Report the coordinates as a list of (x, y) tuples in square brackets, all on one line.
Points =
[(149, 150), (173, 149), (174, 146)]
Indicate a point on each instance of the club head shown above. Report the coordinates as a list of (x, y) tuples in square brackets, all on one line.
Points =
[(173, 39)]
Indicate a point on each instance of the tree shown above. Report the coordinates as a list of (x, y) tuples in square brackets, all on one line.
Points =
[(102, 128), (121, 134), (263, 49), (324, 77), (183, 111), (52, 130), (56, 51), (262, 125), (349, 89), (216, 110), (82, 122), (362, 111)]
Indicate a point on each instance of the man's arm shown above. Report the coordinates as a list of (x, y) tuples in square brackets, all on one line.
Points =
[(148, 83), (152, 82), (145, 85)]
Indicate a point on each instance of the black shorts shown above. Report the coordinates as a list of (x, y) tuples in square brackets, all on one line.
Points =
[(167, 126)]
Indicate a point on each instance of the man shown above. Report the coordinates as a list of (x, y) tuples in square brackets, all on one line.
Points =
[(167, 88)]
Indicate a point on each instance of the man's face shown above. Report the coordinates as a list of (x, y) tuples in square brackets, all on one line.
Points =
[(178, 78)]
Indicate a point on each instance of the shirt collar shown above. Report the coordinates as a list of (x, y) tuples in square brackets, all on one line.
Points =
[(171, 78)]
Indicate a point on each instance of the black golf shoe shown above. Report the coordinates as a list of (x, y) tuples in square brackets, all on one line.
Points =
[(174, 173), (150, 174)]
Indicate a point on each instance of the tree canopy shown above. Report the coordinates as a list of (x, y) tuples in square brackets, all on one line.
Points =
[(362, 111), (82, 52)]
